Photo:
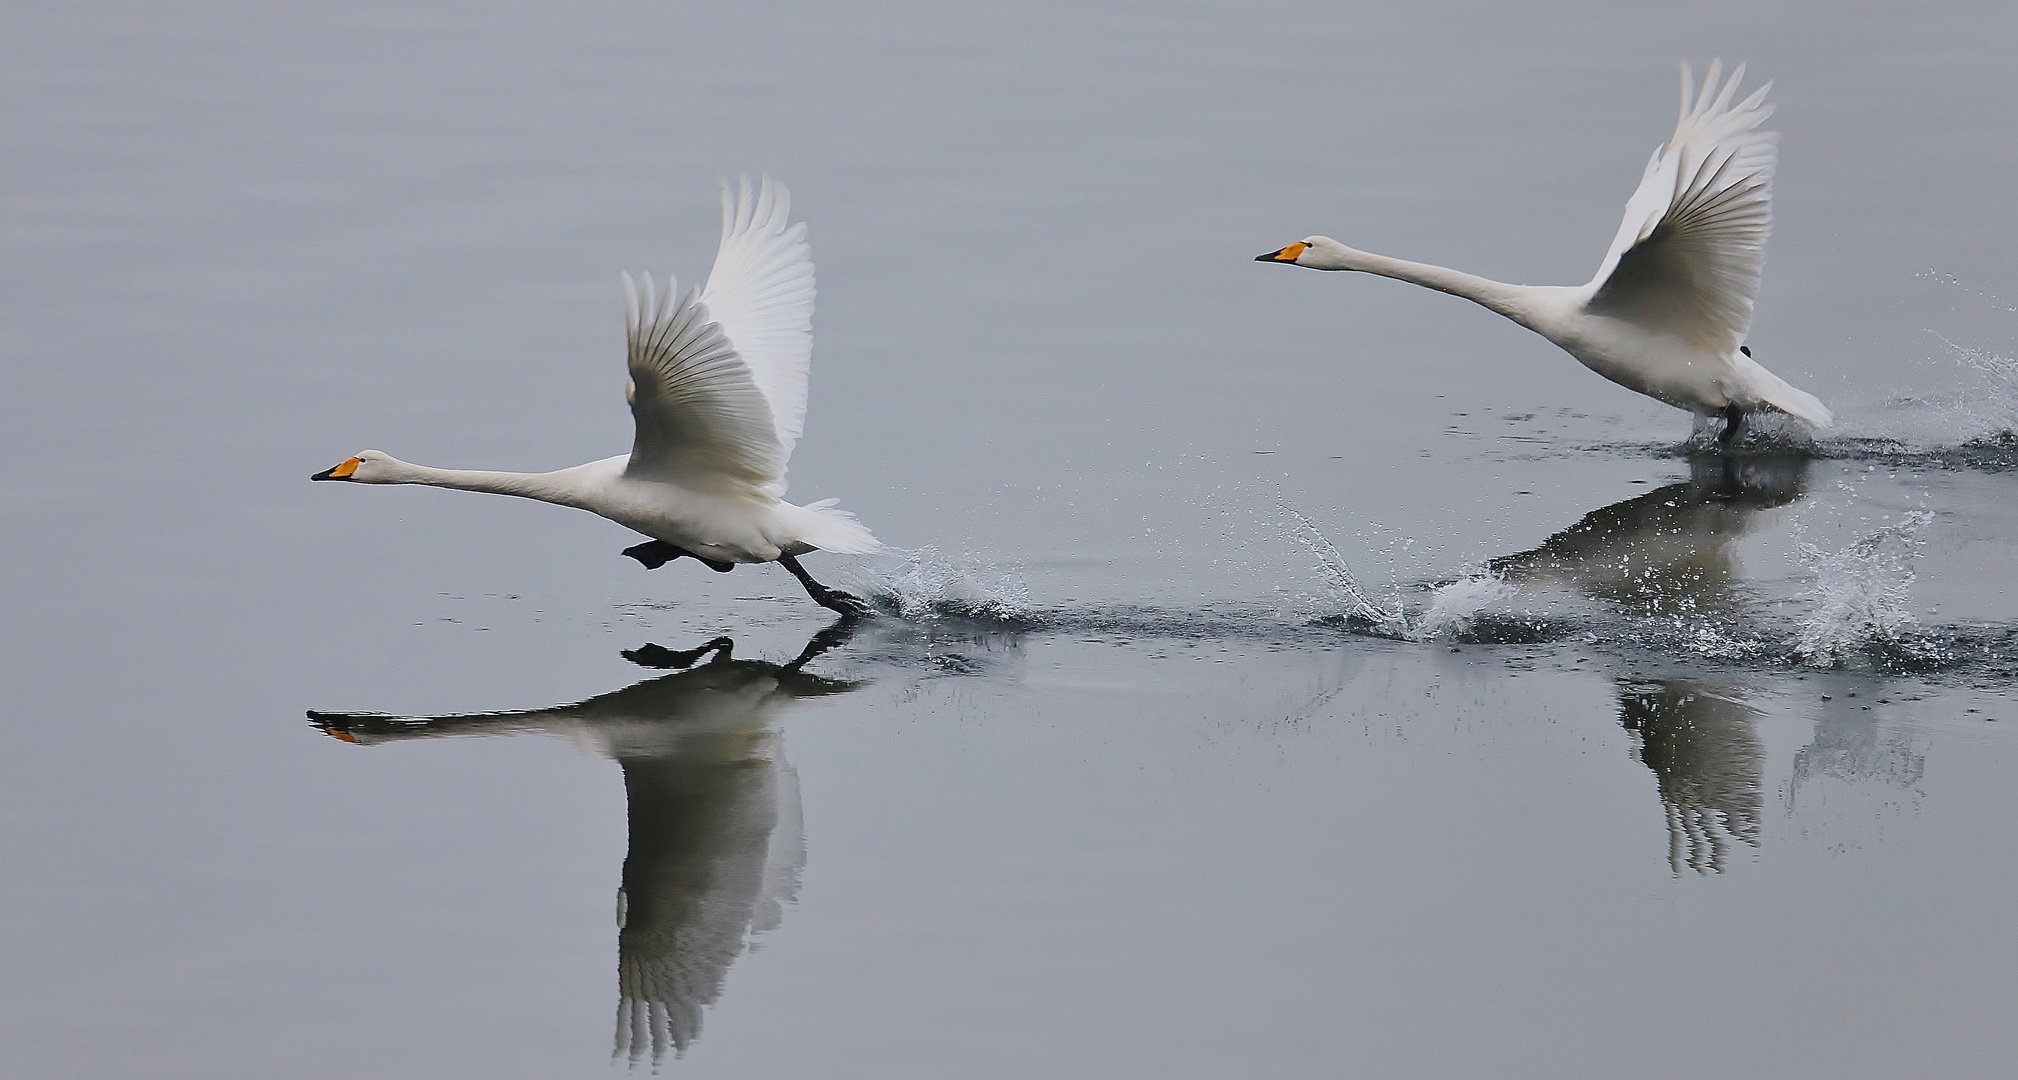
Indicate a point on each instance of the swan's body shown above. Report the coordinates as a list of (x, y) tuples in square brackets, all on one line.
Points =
[(1669, 309), (718, 394)]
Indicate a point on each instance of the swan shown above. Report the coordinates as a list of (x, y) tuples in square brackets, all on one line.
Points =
[(1669, 309), (717, 391)]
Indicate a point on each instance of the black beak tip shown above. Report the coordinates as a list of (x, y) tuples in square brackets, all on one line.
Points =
[(326, 474), (1270, 257)]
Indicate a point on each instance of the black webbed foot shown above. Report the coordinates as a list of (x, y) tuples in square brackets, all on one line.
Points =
[(658, 656), (848, 605), (654, 553), (657, 553)]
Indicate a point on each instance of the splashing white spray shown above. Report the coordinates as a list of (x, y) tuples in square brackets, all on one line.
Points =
[(1862, 592), (1991, 412), (926, 582), (1452, 609), (1389, 618), (1455, 606)]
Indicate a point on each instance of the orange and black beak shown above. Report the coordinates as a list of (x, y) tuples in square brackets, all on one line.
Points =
[(340, 472), (1286, 255)]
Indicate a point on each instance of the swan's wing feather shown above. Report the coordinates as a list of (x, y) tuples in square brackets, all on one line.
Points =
[(1688, 255), (761, 293), (702, 422)]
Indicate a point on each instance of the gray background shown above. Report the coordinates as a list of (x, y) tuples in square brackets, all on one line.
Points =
[(1160, 825)]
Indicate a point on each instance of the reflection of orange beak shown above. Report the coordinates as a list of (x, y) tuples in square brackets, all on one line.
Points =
[(327, 724), (1287, 254), (340, 472)]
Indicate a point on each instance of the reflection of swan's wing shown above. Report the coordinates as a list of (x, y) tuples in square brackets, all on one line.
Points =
[(1663, 543), (785, 859), (1671, 542), (1707, 760), (698, 880)]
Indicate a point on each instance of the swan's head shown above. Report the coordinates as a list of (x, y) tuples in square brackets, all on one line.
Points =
[(368, 467), (1315, 252)]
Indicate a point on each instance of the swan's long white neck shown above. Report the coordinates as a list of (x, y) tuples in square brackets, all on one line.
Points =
[(1516, 302), (550, 487)]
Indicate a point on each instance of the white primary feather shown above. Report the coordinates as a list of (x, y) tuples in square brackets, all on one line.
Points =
[(1689, 253), (761, 292), (718, 380), (701, 420)]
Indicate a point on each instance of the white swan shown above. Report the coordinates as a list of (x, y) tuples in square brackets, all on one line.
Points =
[(718, 393), (1669, 309)]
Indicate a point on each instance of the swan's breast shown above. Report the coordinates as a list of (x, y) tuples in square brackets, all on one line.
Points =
[(1661, 366)]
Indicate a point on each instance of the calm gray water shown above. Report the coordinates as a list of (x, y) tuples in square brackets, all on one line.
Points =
[(1292, 674)]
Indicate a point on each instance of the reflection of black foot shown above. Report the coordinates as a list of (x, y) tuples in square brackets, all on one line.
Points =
[(657, 553), (658, 656), (832, 637)]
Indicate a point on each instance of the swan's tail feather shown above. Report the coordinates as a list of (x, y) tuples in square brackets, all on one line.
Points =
[(1781, 395), (830, 528)]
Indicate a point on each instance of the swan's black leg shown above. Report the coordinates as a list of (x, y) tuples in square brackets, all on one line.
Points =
[(658, 656), (657, 553), (848, 604), (1734, 420)]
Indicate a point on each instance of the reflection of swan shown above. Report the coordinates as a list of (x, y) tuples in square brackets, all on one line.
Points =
[(1707, 761), (718, 393), (1669, 309), (716, 841), (1671, 544)]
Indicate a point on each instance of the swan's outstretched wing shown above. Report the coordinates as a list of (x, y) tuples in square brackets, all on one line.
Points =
[(1687, 257), (702, 421), (761, 293)]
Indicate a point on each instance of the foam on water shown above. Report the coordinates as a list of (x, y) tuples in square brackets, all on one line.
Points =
[(1456, 607)]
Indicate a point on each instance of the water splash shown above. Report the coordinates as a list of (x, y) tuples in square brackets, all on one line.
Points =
[(1350, 601), (1455, 608), (1992, 411), (1862, 594), (925, 583)]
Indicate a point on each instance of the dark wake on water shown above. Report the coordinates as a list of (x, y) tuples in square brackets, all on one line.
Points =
[(1650, 577)]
